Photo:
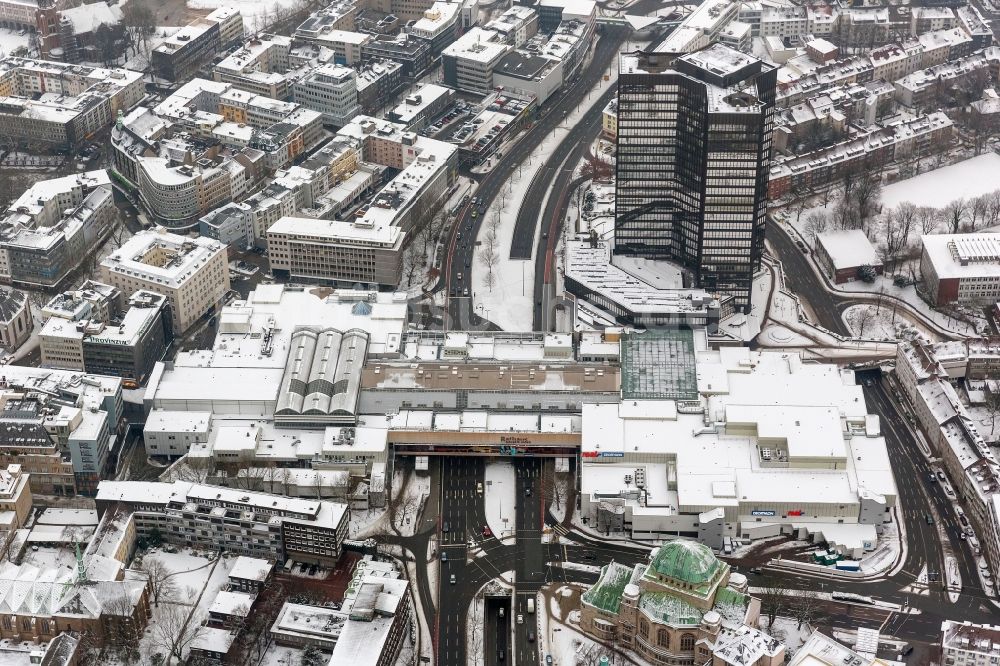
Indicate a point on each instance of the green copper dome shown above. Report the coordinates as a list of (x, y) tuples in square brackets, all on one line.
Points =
[(686, 561)]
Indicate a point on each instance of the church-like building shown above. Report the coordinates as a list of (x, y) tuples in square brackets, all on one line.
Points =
[(684, 607)]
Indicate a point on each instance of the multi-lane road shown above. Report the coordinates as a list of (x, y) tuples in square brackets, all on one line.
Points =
[(468, 219)]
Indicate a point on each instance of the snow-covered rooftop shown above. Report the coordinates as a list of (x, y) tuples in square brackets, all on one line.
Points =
[(849, 248)]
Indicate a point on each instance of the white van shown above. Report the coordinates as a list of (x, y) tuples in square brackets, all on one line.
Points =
[(531, 606)]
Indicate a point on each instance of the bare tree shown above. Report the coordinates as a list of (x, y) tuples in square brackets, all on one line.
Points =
[(993, 208), (816, 223), (194, 470), (806, 609), (248, 478), (121, 628), (867, 192), (845, 214), (174, 632), (490, 259), (799, 206), (161, 582), (897, 224), (955, 213), (413, 261), (272, 474), (928, 219), (993, 406), (979, 209), (859, 318), (774, 599)]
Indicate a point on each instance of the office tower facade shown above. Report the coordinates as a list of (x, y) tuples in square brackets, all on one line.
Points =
[(694, 149)]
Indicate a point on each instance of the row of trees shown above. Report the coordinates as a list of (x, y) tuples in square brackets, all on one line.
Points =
[(894, 229)]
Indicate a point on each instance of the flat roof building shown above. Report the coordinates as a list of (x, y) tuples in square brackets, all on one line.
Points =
[(284, 528), (470, 61), (843, 253), (763, 464), (179, 56), (961, 268), (193, 273)]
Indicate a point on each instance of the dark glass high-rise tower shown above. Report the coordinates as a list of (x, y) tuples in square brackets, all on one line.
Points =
[(694, 150)]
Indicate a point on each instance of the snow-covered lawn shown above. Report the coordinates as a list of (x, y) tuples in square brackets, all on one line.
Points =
[(195, 582), (969, 178), (879, 323), (500, 491)]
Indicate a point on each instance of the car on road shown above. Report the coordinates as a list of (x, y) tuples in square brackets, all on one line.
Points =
[(940, 475), (929, 519), (465, 292), (487, 532), (444, 556), (453, 579), (548, 660), (460, 276), (527, 491), (444, 526), (501, 611), (589, 556), (475, 213), (520, 619), (531, 637), (931, 477)]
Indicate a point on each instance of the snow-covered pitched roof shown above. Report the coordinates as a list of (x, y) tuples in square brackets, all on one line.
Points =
[(87, 18)]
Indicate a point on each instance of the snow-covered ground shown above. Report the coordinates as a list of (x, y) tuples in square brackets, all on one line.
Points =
[(11, 40), (195, 582), (508, 303), (885, 286), (251, 10), (140, 61), (939, 187), (278, 655), (878, 322), (500, 491), (788, 631)]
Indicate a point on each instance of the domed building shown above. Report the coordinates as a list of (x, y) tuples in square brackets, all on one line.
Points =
[(685, 607)]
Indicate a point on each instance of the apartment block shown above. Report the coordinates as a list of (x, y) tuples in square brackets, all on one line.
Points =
[(258, 525), (53, 226), (58, 104), (59, 429)]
